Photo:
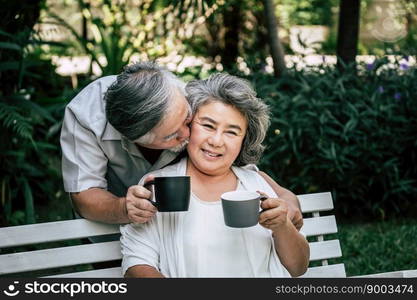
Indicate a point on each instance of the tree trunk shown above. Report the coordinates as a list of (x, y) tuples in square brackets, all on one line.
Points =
[(15, 17), (232, 23), (348, 33), (277, 51)]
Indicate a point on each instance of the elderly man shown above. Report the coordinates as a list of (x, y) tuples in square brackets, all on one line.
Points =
[(119, 128)]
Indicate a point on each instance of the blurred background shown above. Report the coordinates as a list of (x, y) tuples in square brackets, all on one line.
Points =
[(340, 77)]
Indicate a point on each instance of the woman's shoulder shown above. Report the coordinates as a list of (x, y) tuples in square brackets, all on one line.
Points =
[(250, 171), (252, 180)]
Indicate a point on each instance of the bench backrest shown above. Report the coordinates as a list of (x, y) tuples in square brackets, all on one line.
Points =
[(63, 256), (318, 226)]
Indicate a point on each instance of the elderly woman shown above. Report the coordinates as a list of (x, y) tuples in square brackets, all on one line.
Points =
[(228, 128)]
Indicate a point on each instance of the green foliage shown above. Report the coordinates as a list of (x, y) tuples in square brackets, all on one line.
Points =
[(15, 121), (306, 12), (118, 30), (110, 37), (370, 248), (353, 135), (29, 150)]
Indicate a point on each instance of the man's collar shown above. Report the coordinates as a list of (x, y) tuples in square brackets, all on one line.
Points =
[(110, 133)]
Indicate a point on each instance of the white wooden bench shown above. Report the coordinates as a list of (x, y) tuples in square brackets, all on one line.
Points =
[(52, 257)]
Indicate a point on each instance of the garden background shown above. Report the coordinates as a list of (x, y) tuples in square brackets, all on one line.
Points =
[(340, 77)]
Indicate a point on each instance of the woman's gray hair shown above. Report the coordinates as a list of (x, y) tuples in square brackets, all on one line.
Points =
[(140, 98), (238, 93)]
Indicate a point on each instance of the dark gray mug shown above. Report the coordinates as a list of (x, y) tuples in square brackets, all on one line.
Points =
[(171, 193), (241, 208)]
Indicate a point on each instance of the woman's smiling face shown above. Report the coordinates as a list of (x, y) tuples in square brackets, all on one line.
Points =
[(217, 133)]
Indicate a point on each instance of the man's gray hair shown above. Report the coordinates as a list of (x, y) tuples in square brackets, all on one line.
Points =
[(238, 93), (140, 98)]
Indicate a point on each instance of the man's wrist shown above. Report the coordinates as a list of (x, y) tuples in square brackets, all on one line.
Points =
[(123, 210)]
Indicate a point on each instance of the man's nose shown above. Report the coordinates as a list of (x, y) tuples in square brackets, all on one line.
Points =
[(183, 133)]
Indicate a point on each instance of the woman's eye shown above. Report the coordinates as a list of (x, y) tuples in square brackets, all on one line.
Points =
[(232, 133), (208, 126)]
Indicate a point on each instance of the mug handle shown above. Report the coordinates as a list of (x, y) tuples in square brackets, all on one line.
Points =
[(146, 186), (263, 198)]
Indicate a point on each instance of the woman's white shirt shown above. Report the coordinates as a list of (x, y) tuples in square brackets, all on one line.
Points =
[(212, 249), (197, 243)]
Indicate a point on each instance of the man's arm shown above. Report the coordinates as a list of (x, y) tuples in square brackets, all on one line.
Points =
[(294, 211), (143, 271), (100, 205)]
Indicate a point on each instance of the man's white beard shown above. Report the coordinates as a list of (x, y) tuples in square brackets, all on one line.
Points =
[(180, 147)]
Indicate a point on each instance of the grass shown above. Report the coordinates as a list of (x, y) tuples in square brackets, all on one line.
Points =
[(378, 247)]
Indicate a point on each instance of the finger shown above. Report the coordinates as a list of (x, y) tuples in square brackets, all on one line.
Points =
[(267, 225), (139, 191), (270, 203), (144, 204), (264, 196), (140, 204), (139, 220), (292, 214), (273, 213), (298, 224), (295, 216), (266, 222), (148, 179), (267, 215), (142, 213)]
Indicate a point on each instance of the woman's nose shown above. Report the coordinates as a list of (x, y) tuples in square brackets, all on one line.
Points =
[(216, 140)]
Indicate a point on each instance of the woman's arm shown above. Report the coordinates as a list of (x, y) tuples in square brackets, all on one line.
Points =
[(291, 246), (143, 271), (140, 250), (292, 249)]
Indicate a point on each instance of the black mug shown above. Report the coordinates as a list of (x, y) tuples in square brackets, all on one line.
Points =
[(171, 193)]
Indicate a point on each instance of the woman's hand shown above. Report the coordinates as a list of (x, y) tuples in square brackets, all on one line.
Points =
[(275, 213), (293, 205), (291, 246)]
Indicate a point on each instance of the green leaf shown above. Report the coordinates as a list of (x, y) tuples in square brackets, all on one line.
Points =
[(13, 119), (9, 65), (34, 107), (4, 33), (10, 46), (29, 205)]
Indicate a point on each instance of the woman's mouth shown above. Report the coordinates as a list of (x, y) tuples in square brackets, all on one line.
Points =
[(211, 154)]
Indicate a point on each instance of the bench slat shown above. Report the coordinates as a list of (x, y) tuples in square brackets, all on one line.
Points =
[(53, 231), (330, 271), (99, 252), (319, 225), (101, 273), (316, 202), (59, 257), (410, 273), (394, 274), (325, 250)]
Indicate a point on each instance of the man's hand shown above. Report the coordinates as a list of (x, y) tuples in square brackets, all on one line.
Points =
[(138, 207), (294, 214)]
